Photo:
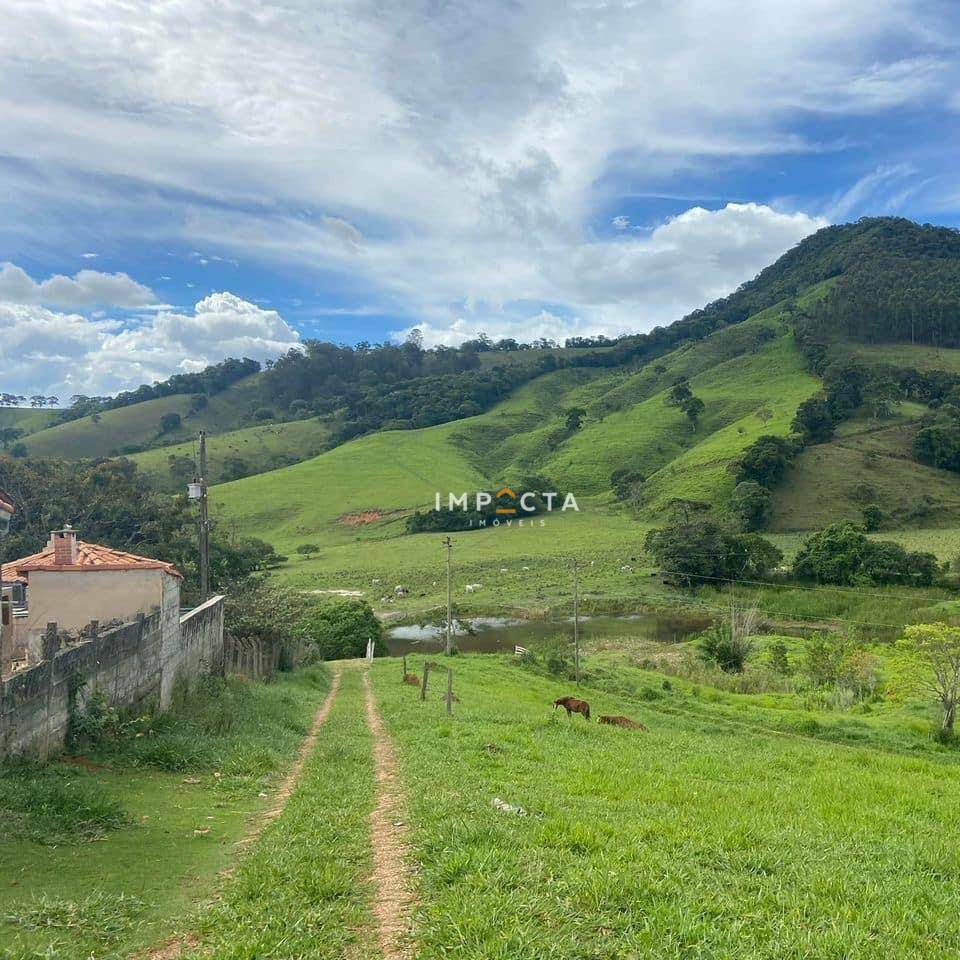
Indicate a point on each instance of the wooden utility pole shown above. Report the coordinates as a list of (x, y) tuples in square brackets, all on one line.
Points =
[(576, 619), (448, 543), (449, 691), (204, 523)]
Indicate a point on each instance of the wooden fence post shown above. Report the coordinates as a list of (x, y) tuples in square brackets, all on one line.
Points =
[(423, 687), (449, 691), (404, 666)]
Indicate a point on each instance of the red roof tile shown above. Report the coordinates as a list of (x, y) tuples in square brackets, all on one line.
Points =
[(91, 557)]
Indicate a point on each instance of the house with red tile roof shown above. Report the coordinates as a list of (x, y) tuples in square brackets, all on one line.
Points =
[(73, 583)]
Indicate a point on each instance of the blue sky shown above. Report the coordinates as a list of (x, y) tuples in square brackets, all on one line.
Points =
[(181, 182)]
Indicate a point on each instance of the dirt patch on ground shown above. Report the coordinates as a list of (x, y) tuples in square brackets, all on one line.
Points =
[(176, 946), (391, 874), (362, 518)]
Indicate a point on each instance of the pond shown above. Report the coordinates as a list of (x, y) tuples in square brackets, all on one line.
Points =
[(502, 634)]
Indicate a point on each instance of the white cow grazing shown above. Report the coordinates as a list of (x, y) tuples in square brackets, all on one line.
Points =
[(400, 591), (470, 587)]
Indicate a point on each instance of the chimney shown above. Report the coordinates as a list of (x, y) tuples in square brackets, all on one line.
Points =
[(64, 545)]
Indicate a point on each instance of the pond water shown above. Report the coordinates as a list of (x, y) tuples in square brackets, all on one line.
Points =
[(502, 634)]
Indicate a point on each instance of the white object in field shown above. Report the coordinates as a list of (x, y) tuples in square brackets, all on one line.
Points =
[(194, 491), (470, 587)]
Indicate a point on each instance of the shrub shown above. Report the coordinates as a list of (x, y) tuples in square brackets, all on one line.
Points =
[(263, 413), (728, 648), (339, 627), (306, 549)]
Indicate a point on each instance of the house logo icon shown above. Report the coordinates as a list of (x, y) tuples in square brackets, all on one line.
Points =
[(506, 511)]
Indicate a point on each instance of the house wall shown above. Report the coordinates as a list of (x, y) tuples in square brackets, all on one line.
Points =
[(133, 663), (73, 599)]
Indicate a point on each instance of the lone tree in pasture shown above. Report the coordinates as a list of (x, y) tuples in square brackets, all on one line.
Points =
[(574, 418), (937, 646)]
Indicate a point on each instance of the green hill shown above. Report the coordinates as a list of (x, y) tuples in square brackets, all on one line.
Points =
[(236, 453), (752, 372)]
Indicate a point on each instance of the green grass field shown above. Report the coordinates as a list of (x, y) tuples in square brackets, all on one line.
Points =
[(26, 419), (702, 837), (138, 425)]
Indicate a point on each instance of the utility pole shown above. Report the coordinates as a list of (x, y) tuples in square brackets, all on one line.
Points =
[(448, 543), (576, 619), (204, 523)]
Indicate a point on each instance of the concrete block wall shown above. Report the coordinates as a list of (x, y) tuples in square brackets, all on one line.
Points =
[(131, 664), (195, 648)]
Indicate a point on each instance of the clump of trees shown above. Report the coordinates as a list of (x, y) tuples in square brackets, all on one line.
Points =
[(842, 553), (698, 547)]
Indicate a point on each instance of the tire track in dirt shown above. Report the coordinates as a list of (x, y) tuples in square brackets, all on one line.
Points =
[(393, 896), (175, 947)]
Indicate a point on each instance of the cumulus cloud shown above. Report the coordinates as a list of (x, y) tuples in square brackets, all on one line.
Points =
[(87, 288), (620, 223), (57, 353)]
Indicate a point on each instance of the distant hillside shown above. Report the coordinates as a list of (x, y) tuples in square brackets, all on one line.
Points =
[(752, 373)]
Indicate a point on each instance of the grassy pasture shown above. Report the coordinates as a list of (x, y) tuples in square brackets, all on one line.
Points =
[(260, 448), (700, 838)]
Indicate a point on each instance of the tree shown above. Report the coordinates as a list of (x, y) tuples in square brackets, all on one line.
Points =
[(703, 548), (694, 408), (765, 461), (882, 396), (574, 418), (837, 554), (169, 421), (260, 611), (874, 517), (814, 420), (842, 553), (752, 505), (937, 647), (339, 627), (680, 393)]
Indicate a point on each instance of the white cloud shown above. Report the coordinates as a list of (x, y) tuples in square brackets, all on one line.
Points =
[(43, 351), (435, 155), (620, 223), (87, 288)]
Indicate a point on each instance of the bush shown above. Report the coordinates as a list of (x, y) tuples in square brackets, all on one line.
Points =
[(263, 413), (307, 549), (339, 627), (728, 649)]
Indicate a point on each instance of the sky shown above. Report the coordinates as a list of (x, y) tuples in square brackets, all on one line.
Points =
[(185, 180)]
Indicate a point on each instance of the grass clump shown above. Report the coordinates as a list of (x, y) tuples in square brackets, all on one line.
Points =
[(55, 804), (102, 917)]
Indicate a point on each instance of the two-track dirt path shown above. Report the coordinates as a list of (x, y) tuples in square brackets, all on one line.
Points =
[(393, 895), (393, 888)]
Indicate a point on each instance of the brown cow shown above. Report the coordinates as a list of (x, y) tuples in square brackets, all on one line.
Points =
[(624, 722), (573, 705), (412, 679)]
